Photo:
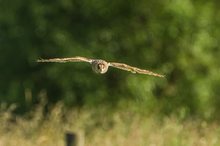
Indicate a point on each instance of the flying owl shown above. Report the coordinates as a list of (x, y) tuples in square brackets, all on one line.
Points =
[(101, 66)]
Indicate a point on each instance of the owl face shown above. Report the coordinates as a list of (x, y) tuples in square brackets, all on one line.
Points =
[(100, 66)]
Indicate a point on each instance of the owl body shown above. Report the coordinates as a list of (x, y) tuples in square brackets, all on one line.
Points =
[(99, 66)]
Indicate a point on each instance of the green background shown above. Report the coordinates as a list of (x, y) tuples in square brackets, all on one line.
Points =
[(177, 38)]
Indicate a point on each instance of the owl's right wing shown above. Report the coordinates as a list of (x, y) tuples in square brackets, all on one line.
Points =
[(133, 69), (63, 60)]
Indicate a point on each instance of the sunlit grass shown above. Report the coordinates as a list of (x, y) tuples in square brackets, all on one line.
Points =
[(98, 128)]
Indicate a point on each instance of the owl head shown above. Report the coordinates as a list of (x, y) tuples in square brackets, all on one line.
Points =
[(100, 66)]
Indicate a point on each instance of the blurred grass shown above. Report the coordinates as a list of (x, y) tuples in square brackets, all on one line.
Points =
[(98, 128)]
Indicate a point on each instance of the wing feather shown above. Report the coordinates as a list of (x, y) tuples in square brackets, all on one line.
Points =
[(133, 69), (63, 60)]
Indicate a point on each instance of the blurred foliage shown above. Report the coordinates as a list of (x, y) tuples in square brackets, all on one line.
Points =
[(177, 38)]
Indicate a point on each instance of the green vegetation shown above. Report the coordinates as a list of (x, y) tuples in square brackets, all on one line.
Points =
[(177, 38), (124, 128)]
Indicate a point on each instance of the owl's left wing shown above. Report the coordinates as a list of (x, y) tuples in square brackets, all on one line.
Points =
[(63, 60), (133, 69)]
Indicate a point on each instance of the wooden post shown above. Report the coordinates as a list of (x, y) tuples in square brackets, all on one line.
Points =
[(71, 139)]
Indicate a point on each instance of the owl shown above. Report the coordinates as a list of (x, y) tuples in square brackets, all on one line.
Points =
[(101, 66)]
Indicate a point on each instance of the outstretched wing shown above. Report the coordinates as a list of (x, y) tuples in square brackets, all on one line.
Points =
[(133, 69), (63, 60)]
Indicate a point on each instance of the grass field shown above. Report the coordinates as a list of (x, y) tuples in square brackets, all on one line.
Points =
[(124, 128)]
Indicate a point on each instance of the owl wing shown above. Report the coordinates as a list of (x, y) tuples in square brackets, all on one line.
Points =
[(63, 60), (133, 69)]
